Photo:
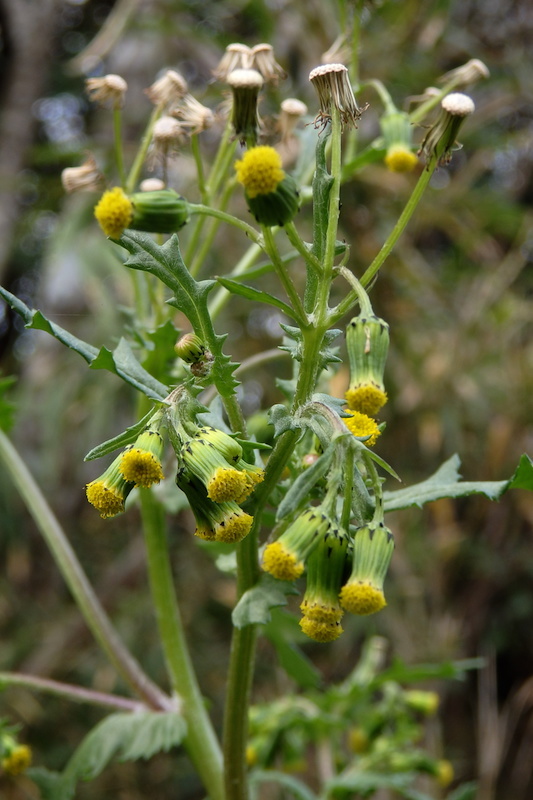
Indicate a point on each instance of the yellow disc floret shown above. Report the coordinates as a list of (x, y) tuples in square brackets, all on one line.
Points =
[(400, 159), (281, 563), (361, 597), (320, 631), (18, 760), (228, 483), (366, 398), (114, 212), (234, 528), (321, 612), (362, 425), (141, 467), (107, 500), (260, 170)]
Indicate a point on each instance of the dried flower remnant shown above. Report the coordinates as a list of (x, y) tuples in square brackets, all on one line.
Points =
[(168, 133), (107, 91), (168, 89), (236, 56), (292, 111), (264, 62), (85, 178), (440, 140), (193, 116), (467, 74), (334, 90), (151, 185), (245, 85)]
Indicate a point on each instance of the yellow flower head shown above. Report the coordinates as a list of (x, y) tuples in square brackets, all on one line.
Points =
[(260, 171), (400, 159), (281, 563), (108, 493), (141, 467), (361, 597), (234, 527), (227, 483), (320, 631), (107, 500), (362, 425), (18, 760), (367, 398), (114, 212), (444, 773)]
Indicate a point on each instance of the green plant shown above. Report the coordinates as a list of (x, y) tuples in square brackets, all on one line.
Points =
[(318, 451)]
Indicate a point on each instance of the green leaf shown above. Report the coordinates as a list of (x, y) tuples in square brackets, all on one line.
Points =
[(254, 606), (124, 736), (121, 440), (445, 482), (250, 293), (301, 488), (166, 263), (121, 361), (281, 419), (298, 789), (523, 477)]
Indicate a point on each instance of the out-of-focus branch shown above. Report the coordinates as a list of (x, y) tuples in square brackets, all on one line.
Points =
[(29, 29)]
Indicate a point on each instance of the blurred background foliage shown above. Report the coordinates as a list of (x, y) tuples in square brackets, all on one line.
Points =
[(457, 292)]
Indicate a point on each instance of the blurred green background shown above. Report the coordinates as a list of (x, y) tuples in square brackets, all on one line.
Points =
[(457, 293)]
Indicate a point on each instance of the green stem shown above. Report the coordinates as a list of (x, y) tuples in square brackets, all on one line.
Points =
[(119, 155), (77, 694), (297, 242), (281, 271), (77, 581), (400, 226), (135, 171), (202, 188), (201, 742), (199, 208), (223, 295)]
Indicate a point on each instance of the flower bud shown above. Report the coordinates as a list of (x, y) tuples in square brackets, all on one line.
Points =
[(141, 462), (363, 427), (15, 758), (162, 211), (190, 348), (373, 545), (108, 493), (367, 343), (285, 558), (397, 132), (320, 606)]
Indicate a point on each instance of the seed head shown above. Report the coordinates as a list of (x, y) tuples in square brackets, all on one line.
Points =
[(334, 90), (85, 178), (168, 89), (107, 91)]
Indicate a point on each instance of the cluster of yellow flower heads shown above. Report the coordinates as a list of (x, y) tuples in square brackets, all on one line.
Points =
[(212, 474)]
